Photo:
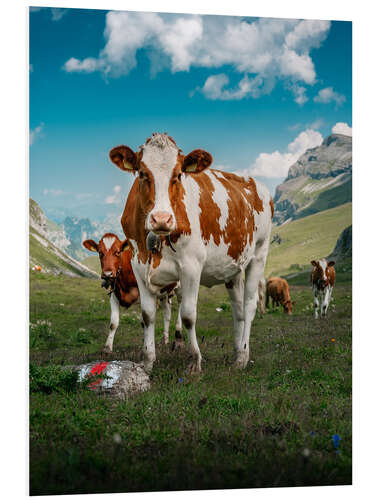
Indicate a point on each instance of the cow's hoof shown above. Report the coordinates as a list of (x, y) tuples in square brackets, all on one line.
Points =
[(241, 360), (194, 368)]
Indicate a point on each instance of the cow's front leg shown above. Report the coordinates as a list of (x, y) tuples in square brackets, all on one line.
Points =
[(179, 339), (253, 273), (167, 311), (148, 307), (189, 297), (325, 303), (115, 320), (316, 304)]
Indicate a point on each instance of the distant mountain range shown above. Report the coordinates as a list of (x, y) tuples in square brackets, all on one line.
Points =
[(320, 179), (47, 244)]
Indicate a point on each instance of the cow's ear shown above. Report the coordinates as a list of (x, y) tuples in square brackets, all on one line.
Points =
[(124, 246), (331, 263), (314, 263), (91, 245), (124, 157), (196, 161)]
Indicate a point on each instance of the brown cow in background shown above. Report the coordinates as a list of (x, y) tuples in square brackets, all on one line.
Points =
[(117, 276), (278, 289)]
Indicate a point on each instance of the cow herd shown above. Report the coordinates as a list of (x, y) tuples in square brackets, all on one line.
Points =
[(187, 225)]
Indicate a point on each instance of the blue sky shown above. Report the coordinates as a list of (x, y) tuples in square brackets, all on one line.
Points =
[(253, 92)]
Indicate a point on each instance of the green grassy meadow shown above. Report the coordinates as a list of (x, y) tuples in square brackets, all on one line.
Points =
[(270, 425)]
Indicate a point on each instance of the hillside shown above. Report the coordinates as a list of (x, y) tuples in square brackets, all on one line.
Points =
[(302, 240), (319, 180), (43, 252)]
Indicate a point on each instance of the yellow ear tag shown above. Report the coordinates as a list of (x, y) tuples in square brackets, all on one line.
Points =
[(93, 249), (126, 246), (127, 165), (191, 168)]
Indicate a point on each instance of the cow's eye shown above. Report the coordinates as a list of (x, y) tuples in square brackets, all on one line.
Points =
[(179, 176), (141, 175)]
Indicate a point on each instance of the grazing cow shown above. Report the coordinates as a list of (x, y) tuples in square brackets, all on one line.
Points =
[(278, 289), (118, 276), (213, 225), (322, 278)]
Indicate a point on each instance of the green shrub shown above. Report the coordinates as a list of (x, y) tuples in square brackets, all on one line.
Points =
[(48, 379)]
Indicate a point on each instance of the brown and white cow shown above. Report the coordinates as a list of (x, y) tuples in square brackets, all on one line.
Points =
[(117, 275), (322, 278), (214, 226), (278, 289)]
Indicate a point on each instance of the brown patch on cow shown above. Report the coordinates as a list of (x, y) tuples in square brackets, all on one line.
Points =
[(210, 212), (243, 199), (176, 192), (272, 208)]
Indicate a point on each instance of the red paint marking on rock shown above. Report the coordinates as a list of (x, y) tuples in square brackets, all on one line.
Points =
[(97, 370)]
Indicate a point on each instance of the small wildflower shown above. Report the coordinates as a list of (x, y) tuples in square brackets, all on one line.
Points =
[(180, 380), (306, 452), (333, 340), (336, 440), (117, 438), (62, 305), (219, 309), (288, 371)]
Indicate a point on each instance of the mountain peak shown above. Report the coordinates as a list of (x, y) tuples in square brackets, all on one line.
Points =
[(319, 179)]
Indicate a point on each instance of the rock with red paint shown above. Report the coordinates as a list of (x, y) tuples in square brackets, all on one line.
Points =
[(115, 378)]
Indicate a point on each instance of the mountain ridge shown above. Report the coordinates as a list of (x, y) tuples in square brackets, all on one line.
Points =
[(320, 179)]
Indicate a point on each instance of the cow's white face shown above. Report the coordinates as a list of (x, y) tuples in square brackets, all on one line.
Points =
[(160, 166)]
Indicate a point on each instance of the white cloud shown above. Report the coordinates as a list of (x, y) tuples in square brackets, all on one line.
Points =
[(260, 50), (88, 65), (58, 14), (213, 88), (53, 192), (277, 164), (299, 93), (114, 198), (342, 128), (328, 95), (35, 133)]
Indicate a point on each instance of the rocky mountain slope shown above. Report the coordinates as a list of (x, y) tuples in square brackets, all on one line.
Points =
[(320, 179), (343, 248), (78, 230), (46, 245)]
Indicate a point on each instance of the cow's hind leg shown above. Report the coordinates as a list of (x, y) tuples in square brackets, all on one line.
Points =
[(115, 320), (254, 272), (235, 292), (326, 300), (167, 311)]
